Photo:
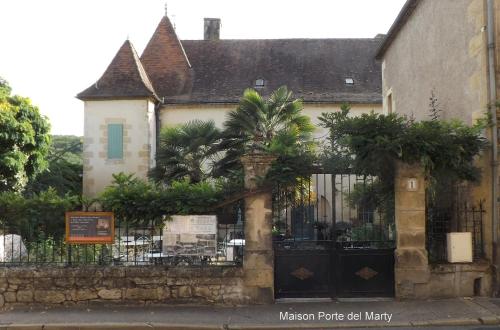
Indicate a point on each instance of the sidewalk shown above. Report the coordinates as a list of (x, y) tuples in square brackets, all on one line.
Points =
[(313, 315)]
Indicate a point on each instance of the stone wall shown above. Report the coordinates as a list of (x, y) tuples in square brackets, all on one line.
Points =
[(460, 280), (152, 284), (414, 276)]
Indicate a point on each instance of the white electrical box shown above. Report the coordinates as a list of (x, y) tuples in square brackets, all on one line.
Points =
[(459, 247)]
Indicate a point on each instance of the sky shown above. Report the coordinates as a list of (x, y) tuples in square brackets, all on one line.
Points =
[(53, 49)]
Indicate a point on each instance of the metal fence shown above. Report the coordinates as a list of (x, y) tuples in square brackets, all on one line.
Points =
[(133, 245), (347, 209), (460, 218)]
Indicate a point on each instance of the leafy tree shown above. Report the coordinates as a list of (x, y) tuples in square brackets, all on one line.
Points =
[(65, 169), (38, 216), (186, 152), (276, 126), (24, 140)]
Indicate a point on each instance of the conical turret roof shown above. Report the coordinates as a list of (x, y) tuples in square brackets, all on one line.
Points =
[(125, 77), (166, 62)]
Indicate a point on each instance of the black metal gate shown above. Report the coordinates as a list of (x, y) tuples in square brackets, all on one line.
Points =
[(333, 237)]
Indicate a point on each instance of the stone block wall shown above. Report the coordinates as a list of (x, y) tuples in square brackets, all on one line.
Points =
[(411, 262), (460, 280), (152, 284)]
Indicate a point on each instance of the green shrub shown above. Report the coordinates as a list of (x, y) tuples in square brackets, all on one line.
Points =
[(38, 216), (141, 202)]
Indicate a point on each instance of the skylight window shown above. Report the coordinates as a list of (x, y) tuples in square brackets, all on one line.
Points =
[(259, 83), (349, 81)]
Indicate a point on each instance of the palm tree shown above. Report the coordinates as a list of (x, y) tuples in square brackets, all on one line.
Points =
[(186, 151), (274, 125)]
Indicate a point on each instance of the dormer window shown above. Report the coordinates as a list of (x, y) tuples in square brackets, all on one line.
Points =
[(349, 81), (259, 83)]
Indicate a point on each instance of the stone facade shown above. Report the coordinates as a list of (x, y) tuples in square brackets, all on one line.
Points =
[(128, 285), (139, 141)]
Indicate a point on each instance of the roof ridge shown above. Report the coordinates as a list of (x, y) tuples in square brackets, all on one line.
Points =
[(142, 72), (283, 39)]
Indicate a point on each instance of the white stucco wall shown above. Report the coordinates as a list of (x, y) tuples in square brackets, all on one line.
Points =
[(172, 115), (137, 117)]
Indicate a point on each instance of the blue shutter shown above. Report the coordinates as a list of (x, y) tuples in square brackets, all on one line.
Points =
[(115, 141)]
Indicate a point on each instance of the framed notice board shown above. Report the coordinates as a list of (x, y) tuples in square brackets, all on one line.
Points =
[(90, 227)]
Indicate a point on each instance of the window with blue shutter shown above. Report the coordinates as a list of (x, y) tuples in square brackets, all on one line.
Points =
[(115, 141)]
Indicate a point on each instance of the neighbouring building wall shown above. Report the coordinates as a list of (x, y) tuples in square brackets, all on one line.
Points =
[(137, 118), (442, 48), (172, 115)]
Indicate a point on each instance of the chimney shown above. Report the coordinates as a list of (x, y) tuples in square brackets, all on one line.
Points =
[(212, 29)]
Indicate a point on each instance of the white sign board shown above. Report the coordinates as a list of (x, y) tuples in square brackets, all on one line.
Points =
[(191, 235)]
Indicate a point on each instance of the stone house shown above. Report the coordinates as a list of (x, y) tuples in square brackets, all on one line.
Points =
[(175, 81), (447, 49)]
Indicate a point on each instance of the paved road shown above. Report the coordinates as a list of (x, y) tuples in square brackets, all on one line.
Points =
[(453, 313)]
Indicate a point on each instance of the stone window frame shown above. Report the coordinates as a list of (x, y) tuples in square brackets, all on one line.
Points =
[(104, 140), (389, 101)]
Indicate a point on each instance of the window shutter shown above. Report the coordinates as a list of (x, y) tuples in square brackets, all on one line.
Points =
[(115, 141)]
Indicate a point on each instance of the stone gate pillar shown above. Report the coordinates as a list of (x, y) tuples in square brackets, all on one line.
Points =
[(258, 259), (411, 269)]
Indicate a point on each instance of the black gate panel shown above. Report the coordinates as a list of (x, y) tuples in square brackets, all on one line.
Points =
[(365, 272), (303, 269), (334, 236)]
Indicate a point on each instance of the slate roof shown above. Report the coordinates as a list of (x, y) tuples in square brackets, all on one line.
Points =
[(166, 62), (218, 71), (125, 77), (314, 69)]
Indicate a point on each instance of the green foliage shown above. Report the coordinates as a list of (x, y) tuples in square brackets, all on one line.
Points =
[(40, 215), (368, 196), (65, 169), (373, 233), (132, 199), (24, 140), (275, 126), (375, 141), (137, 201), (186, 152)]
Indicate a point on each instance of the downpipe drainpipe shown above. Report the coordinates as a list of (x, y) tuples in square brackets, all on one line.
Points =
[(157, 121), (158, 124), (494, 137)]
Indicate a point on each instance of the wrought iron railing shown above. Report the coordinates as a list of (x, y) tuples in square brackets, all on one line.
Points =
[(137, 244), (462, 218), (344, 208)]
